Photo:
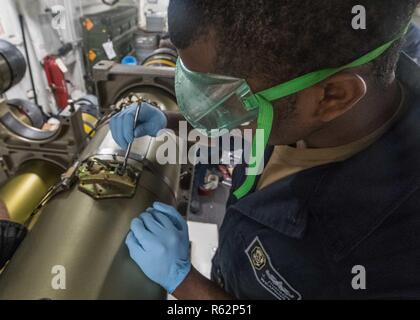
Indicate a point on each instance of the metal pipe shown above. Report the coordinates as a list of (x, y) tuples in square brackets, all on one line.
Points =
[(86, 236), (23, 192), (25, 46)]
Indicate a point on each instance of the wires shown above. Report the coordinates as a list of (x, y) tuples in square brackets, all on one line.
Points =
[(52, 192), (66, 182), (104, 120)]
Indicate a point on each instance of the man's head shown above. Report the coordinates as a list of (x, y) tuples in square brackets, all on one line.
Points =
[(268, 42)]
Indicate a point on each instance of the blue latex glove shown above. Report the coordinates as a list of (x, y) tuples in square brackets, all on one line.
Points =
[(151, 121), (158, 242)]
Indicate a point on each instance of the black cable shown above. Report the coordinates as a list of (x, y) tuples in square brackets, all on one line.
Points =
[(52, 192), (101, 122), (22, 27)]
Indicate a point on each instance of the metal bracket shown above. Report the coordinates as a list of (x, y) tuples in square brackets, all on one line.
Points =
[(101, 179)]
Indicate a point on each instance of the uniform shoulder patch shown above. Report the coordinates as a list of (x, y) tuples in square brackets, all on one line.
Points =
[(267, 275)]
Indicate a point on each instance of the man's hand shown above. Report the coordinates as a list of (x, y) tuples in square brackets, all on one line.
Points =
[(151, 121), (158, 242)]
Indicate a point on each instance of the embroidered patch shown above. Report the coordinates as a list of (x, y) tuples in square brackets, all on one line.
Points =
[(267, 275)]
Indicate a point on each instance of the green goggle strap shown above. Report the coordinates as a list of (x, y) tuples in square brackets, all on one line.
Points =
[(263, 100), (265, 122), (310, 79)]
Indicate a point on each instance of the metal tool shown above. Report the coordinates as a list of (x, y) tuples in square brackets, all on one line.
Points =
[(123, 167)]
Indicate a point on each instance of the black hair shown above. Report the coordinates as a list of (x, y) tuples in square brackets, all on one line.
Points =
[(283, 39)]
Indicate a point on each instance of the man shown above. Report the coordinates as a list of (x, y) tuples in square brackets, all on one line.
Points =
[(336, 212)]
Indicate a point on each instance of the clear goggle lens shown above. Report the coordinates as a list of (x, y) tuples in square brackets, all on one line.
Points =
[(212, 103)]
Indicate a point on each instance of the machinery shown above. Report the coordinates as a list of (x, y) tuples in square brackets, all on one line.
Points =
[(62, 190), (22, 140), (115, 81)]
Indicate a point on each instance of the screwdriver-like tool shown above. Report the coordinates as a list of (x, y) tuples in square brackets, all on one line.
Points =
[(123, 167)]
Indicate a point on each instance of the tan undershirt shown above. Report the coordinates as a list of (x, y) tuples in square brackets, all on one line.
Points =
[(286, 161)]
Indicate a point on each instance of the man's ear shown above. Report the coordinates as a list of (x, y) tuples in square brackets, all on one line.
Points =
[(341, 93)]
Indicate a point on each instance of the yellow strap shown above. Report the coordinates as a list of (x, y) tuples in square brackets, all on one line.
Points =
[(87, 117), (160, 61)]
